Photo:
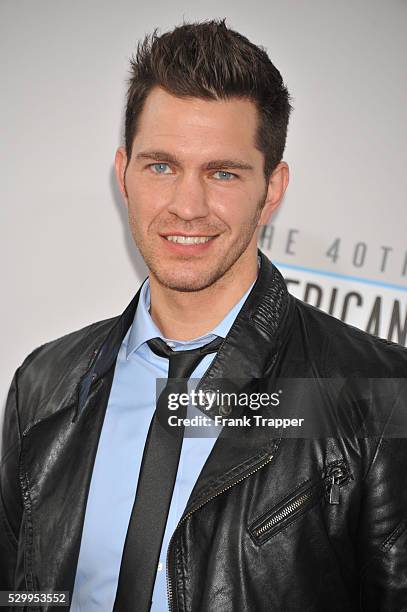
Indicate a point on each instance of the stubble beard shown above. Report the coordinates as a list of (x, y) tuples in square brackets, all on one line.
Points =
[(172, 277)]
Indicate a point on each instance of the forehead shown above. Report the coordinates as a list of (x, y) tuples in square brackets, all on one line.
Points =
[(195, 125)]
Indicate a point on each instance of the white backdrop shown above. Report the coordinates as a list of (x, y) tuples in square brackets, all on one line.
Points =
[(340, 236)]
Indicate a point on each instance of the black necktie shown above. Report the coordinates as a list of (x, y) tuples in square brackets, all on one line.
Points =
[(155, 485)]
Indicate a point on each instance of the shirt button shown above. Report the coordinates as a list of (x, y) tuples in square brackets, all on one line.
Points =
[(160, 566)]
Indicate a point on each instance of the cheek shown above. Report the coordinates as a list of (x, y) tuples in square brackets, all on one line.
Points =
[(144, 203), (237, 214), (237, 206)]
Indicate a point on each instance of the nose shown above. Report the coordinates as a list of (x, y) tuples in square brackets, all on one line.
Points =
[(189, 198)]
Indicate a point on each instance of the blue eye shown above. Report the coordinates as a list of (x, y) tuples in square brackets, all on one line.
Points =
[(160, 166), (225, 175)]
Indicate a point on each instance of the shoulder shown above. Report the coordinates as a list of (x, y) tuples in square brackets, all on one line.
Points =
[(66, 348), (52, 370), (341, 348)]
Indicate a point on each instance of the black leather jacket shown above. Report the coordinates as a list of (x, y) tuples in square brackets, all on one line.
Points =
[(274, 523)]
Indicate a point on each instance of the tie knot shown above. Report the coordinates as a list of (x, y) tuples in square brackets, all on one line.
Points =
[(182, 363), (159, 347)]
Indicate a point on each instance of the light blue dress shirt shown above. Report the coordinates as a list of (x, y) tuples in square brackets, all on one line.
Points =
[(114, 478)]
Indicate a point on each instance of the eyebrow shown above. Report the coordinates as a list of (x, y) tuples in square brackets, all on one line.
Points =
[(164, 156)]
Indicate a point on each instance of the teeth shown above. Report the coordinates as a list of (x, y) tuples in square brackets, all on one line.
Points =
[(189, 239)]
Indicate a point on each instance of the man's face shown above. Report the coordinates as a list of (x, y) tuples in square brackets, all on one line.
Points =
[(195, 188)]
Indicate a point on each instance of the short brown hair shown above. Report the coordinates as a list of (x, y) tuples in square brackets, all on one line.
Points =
[(208, 60)]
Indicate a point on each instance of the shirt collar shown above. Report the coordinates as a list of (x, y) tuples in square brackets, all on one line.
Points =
[(143, 327)]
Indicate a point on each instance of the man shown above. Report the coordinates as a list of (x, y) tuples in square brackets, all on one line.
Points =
[(257, 521)]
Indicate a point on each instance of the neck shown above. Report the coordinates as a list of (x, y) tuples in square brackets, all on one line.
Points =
[(186, 315)]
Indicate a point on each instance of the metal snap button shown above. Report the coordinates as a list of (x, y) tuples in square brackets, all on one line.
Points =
[(204, 400), (225, 409)]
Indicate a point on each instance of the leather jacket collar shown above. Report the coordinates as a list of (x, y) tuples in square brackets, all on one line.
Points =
[(260, 320)]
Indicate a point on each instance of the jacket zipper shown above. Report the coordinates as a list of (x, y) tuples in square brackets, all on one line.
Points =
[(337, 476), (284, 513), (169, 584)]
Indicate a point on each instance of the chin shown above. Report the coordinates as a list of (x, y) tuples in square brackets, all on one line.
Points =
[(186, 282)]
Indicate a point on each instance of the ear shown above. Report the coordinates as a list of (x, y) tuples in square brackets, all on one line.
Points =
[(277, 185), (120, 163)]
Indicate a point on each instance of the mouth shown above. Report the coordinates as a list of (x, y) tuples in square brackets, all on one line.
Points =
[(182, 239), (182, 243)]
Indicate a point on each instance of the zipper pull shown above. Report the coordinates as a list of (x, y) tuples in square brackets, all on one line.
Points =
[(334, 492)]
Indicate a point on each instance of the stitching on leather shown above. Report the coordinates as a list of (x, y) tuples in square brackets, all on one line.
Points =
[(393, 537), (225, 477), (178, 573), (183, 576), (235, 471), (384, 547), (28, 528), (279, 300), (268, 312), (28, 535)]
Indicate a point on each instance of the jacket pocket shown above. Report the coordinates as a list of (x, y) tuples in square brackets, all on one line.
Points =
[(327, 486)]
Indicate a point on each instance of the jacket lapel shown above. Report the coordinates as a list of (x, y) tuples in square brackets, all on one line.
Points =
[(247, 356)]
